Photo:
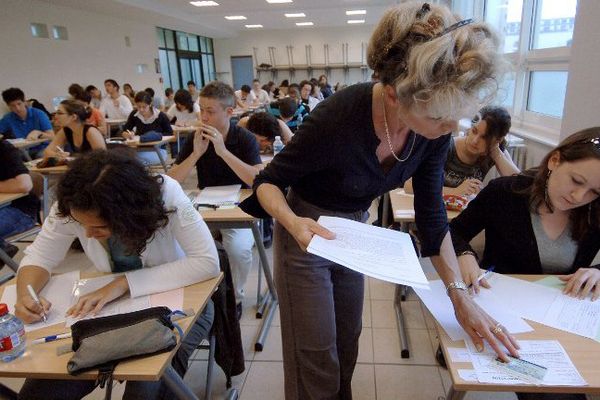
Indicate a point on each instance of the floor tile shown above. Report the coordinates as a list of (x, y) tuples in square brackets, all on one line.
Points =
[(366, 315), (384, 314), (386, 346), (400, 382), (365, 346), (380, 290), (363, 382), (196, 380), (264, 381), (272, 347)]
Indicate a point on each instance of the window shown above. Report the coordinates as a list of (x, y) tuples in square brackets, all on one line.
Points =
[(184, 57), (536, 39)]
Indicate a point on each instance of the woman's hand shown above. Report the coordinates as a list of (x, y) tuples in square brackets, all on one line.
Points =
[(28, 311), (469, 187), (470, 272), (480, 326), (128, 134), (93, 302), (303, 229), (583, 282)]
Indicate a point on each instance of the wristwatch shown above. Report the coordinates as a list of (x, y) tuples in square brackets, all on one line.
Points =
[(460, 285)]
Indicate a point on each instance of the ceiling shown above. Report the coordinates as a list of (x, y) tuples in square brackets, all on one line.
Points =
[(211, 20)]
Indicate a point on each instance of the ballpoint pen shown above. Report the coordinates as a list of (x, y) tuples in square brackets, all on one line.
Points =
[(484, 275), (51, 338), (37, 301)]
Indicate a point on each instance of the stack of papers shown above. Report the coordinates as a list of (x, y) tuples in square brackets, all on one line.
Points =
[(219, 196), (377, 252), (548, 354)]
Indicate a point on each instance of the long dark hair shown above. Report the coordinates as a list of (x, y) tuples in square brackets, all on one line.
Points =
[(115, 185), (579, 146), (184, 98)]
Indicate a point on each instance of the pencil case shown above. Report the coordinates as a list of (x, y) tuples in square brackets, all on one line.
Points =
[(151, 136), (100, 343)]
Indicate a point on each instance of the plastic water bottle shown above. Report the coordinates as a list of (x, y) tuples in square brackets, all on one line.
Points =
[(277, 145), (12, 335)]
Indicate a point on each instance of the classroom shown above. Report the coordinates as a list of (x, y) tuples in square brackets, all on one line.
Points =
[(196, 159)]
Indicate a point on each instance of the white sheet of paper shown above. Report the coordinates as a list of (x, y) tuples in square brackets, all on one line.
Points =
[(548, 353), (377, 252), (219, 195), (439, 304), (468, 375), (581, 317), (57, 291), (119, 306), (459, 354)]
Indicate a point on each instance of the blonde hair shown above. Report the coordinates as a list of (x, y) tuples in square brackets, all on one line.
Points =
[(450, 74)]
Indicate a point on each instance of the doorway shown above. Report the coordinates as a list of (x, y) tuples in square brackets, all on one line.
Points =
[(242, 70)]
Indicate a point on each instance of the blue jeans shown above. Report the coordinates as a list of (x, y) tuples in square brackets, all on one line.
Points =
[(13, 221), (59, 389)]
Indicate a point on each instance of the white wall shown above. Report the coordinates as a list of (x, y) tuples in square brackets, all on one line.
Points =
[(95, 50), (582, 103), (298, 38)]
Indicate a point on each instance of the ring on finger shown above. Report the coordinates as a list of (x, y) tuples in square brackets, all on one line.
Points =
[(497, 329)]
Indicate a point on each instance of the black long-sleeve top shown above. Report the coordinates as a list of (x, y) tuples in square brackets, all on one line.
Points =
[(502, 210), (160, 124), (331, 162)]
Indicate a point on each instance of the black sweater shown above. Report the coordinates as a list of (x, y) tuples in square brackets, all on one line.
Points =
[(160, 124), (503, 211)]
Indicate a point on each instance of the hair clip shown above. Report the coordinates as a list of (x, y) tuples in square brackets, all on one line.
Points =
[(453, 27), (424, 9)]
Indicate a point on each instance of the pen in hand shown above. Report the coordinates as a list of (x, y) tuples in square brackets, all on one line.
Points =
[(36, 299), (486, 274)]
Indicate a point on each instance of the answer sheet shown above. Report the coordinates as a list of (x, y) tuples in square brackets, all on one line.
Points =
[(57, 291), (377, 252), (227, 195)]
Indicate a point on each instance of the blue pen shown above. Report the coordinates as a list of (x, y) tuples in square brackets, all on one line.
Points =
[(51, 338), (484, 275)]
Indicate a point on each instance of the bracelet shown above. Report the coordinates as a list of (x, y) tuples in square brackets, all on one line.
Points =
[(467, 252), (459, 285)]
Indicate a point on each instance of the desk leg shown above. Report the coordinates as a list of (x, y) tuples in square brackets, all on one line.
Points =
[(271, 301), (45, 204), (385, 198), (161, 158), (176, 384), (455, 395), (8, 260), (399, 293)]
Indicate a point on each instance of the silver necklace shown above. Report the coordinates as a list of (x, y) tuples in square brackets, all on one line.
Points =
[(387, 134)]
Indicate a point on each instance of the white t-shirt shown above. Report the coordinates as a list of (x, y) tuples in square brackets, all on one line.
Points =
[(108, 108), (183, 116), (262, 95), (250, 99)]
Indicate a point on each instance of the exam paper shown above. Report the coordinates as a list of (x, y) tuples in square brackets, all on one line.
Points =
[(57, 291), (120, 306), (547, 353), (377, 252), (439, 304), (227, 195), (581, 317)]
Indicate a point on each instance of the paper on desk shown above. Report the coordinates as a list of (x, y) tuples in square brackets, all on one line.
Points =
[(377, 252), (467, 375), (439, 304), (172, 299), (227, 195), (581, 317), (548, 353), (57, 291), (120, 306), (459, 354)]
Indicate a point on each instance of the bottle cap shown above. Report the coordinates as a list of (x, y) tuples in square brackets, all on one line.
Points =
[(3, 309), (277, 137)]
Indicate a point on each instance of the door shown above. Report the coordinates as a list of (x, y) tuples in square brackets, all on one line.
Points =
[(242, 70)]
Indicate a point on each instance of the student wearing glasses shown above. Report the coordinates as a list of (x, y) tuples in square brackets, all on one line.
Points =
[(75, 135), (356, 145), (554, 215)]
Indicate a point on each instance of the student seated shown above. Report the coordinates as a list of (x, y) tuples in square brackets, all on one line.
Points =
[(325, 87), (75, 135), (151, 232), (96, 95), (23, 121), (223, 154), (115, 105), (470, 157), (265, 127), (191, 85), (157, 101), (185, 111), (129, 92), (96, 118), (21, 214), (244, 98), (145, 120), (169, 98), (261, 95)]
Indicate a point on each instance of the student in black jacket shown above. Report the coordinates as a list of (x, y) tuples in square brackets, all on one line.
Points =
[(546, 221)]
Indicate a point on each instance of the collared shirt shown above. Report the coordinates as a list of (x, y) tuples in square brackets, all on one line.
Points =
[(177, 255), (108, 108), (248, 100), (212, 169), (331, 162), (35, 119), (158, 122)]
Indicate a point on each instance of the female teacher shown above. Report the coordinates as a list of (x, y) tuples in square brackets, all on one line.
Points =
[(358, 144)]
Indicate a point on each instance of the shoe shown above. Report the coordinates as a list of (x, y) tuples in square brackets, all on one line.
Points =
[(439, 357), (238, 310), (11, 250)]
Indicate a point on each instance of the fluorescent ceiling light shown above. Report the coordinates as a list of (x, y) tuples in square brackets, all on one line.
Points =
[(279, 1), (304, 23), (235, 17), (356, 12), (254, 26), (295, 15), (356, 21), (204, 3)]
